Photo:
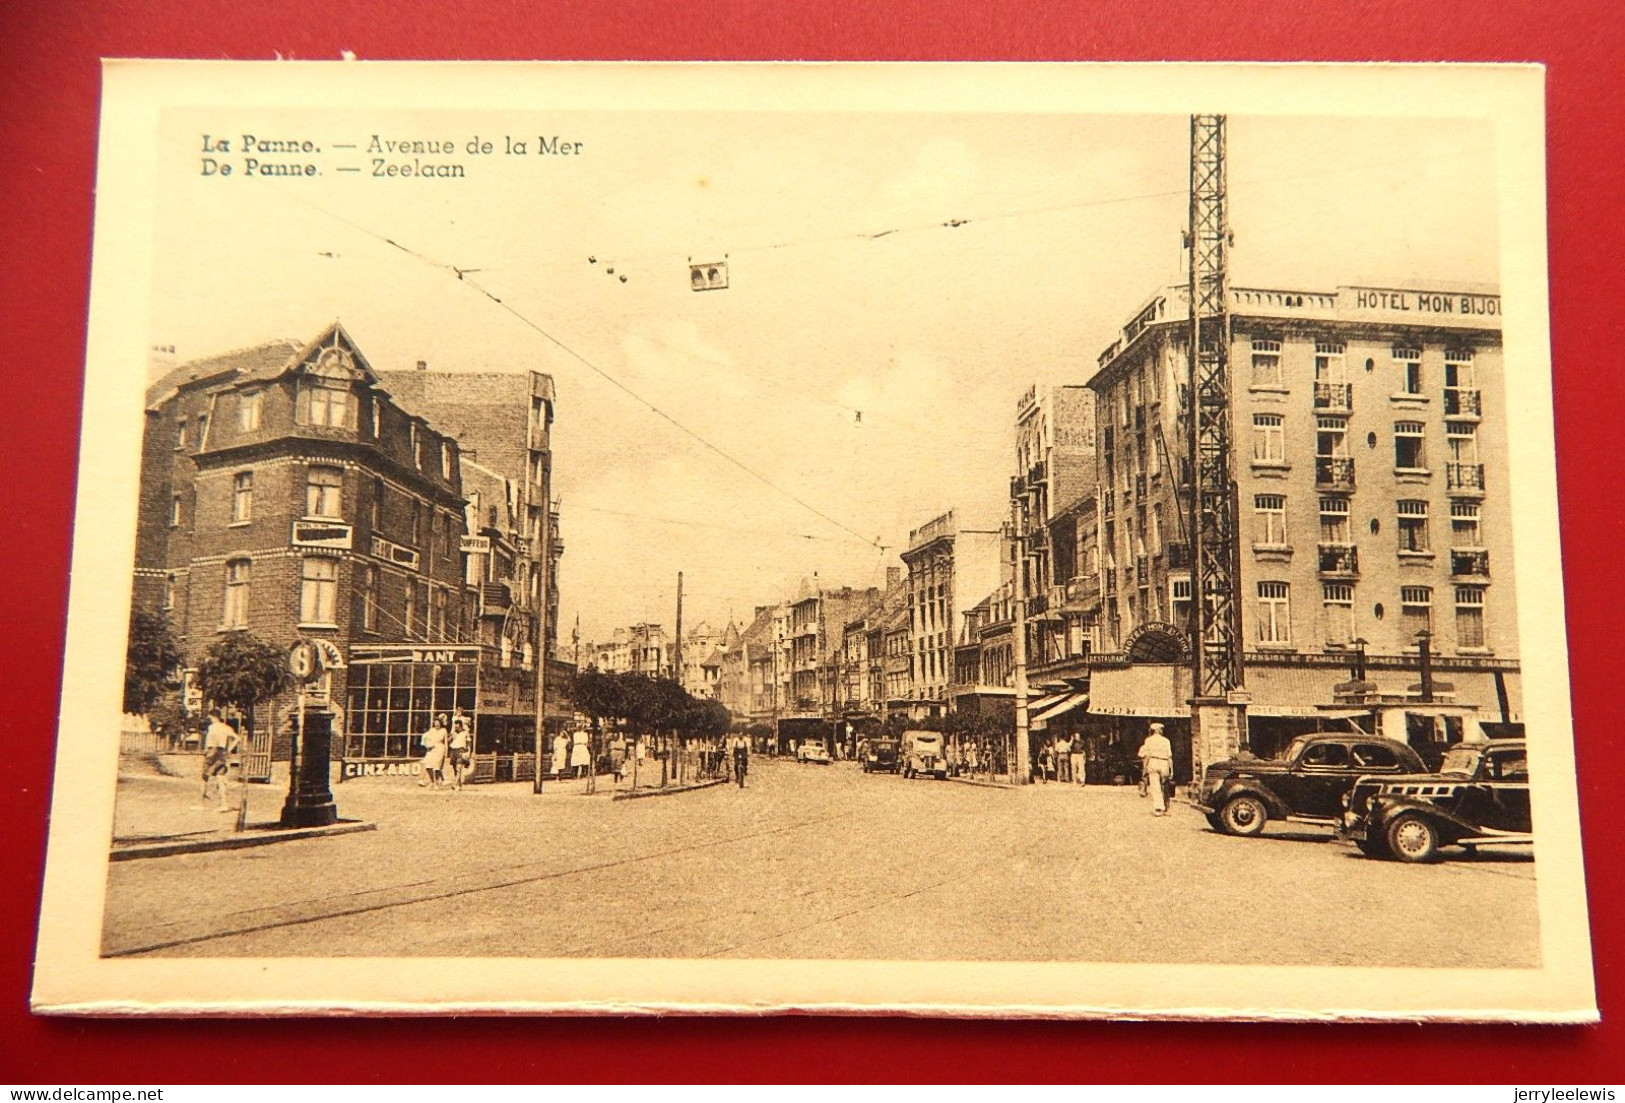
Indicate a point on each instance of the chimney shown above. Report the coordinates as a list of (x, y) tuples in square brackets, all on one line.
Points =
[(423, 365), (894, 577)]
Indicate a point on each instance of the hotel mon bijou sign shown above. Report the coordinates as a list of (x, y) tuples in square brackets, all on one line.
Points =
[(321, 534), (1411, 305)]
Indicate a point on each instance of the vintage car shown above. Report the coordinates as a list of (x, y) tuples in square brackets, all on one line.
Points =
[(1479, 797), (881, 754), (922, 754), (1306, 783), (812, 752)]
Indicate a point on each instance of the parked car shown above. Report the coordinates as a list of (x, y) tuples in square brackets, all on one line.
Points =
[(922, 754), (1479, 797), (1306, 783), (812, 752), (881, 754)]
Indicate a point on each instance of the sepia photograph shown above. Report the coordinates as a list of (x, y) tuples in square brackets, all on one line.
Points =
[(1056, 540)]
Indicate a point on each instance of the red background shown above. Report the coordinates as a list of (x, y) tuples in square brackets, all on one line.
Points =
[(49, 84)]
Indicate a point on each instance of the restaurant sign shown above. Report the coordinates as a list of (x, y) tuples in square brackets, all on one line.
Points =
[(411, 653), (394, 553)]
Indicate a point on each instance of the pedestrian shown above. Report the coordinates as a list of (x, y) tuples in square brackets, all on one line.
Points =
[(460, 746), (434, 743), (1080, 765), (741, 749), (219, 741), (1063, 759), (970, 758), (1157, 765), (580, 755), (561, 753)]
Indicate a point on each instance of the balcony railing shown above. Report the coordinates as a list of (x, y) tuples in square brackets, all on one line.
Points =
[(1179, 556), (1464, 476), (1334, 396), (1462, 402), (1037, 473), (1474, 564), (1142, 569), (495, 599), (1082, 590), (1111, 581), (1018, 486), (1339, 559), (1139, 485), (1334, 472), (1108, 505)]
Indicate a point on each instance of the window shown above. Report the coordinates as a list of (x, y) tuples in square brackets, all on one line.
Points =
[(409, 621), (1415, 611), (1270, 513), (1156, 529), (369, 598), (180, 433), (176, 514), (1458, 370), (169, 593), (1409, 363), (202, 430), (1329, 363), (1464, 530), (239, 574), (1274, 613), (1413, 526), (417, 447), (242, 497), (377, 508), (1462, 437), (324, 492), (1329, 756), (318, 590), (439, 631), (1266, 363), (326, 404), (417, 522), (1269, 438), (445, 460), (1409, 453), (1469, 616), (1337, 600), (1331, 438), (1179, 599), (248, 410), (1374, 756), (1334, 521), (377, 417)]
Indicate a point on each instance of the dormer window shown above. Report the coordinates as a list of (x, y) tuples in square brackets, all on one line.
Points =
[(326, 403)]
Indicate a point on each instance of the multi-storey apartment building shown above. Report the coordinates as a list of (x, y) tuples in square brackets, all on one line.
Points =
[(948, 571), (285, 493), (1373, 504)]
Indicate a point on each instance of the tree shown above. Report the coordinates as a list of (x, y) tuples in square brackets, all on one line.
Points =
[(241, 670), (150, 660)]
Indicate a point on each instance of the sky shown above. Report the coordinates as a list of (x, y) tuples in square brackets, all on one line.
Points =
[(896, 284)]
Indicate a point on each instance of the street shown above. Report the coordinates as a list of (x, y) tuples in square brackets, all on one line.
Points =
[(813, 861)]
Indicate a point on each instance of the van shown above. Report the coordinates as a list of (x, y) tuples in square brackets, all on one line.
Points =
[(922, 754)]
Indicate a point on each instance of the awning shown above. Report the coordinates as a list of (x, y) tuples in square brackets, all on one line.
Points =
[(1049, 700), (1145, 689), (1060, 708), (1297, 691)]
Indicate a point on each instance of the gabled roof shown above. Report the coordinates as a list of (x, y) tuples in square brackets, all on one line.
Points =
[(760, 631), (258, 363)]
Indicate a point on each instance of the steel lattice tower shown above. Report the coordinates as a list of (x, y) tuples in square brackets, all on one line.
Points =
[(1216, 636)]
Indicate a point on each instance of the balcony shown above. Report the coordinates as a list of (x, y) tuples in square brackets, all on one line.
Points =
[(1037, 474), (1334, 473), (1142, 570), (1139, 485), (1018, 487), (495, 599), (1461, 402), (1083, 591), (1179, 556), (1339, 559), (1334, 396), (1467, 477), (1469, 564), (1111, 580), (1108, 505), (1037, 603)]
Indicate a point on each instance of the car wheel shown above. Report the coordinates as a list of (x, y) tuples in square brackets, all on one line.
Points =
[(1215, 821), (1413, 839), (1244, 815)]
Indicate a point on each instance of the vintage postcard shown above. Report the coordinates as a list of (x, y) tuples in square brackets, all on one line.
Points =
[(1049, 540)]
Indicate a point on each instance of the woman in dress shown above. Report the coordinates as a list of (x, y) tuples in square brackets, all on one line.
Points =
[(433, 742)]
